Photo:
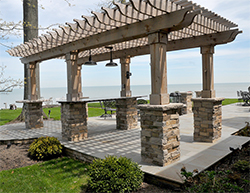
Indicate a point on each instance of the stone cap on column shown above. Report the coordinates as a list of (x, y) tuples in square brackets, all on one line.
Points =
[(209, 99), (186, 93), (161, 107)]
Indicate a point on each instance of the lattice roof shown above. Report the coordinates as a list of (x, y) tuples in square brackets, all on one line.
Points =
[(197, 21)]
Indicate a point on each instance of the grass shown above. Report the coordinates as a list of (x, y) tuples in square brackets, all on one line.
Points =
[(7, 115), (229, 101), (94, 111), (58, 175)]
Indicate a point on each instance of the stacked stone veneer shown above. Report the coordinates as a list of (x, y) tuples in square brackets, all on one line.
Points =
[(186, 100), (126, 114), (33, 115), (74, 116), (160, 135), (207, 119)]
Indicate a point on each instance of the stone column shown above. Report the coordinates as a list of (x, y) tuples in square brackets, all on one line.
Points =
[(186, 100), (158, 47), (208, 72), (33, 114), (73, 77), (126, 113), (125, 79), (207, 119), (74, 117), (160, 134)]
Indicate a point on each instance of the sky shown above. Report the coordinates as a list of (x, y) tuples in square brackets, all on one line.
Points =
[(231, 61)]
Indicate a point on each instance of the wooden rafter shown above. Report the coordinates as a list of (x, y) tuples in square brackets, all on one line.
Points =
[(125, 27)]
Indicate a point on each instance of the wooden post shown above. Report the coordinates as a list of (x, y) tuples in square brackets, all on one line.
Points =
[(31, 81), (158, 48), (73, 77), (208, 72), (125, 81)]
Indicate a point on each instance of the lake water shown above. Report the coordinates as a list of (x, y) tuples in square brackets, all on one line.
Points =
[(227, 90)]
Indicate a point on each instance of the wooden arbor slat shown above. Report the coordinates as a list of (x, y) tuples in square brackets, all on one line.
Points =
[(121, 34), (137, 10)]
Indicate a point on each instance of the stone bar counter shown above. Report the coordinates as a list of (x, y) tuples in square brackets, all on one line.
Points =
[(33, 113)]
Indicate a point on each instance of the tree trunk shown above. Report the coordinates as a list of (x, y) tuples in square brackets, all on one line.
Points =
[(30, 31)]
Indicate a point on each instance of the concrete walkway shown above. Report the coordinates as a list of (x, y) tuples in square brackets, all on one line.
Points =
[(105, 140)]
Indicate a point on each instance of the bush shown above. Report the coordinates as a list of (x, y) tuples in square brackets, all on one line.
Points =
[(114, 174), (45, 148), (242, 166)]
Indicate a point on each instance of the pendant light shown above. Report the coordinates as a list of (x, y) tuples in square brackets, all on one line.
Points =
[(111, 63), (90, 62)]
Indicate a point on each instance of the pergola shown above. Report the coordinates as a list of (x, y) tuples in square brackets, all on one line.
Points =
[(136, 28)]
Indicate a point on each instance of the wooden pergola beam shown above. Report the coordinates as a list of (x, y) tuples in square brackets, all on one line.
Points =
[(118, 35), (187, 43)]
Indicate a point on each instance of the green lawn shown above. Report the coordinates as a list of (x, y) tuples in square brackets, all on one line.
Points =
[(229, 101), (7, 115), (94, 111), (58, 175)]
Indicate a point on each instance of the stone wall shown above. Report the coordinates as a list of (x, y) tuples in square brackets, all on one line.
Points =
[(74, 116), (186, 99), (33, 115), (126, 114), (160, 135), (207, 119)]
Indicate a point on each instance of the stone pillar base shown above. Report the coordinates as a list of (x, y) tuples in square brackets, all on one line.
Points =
[(160, 135), (74, 116), (207, 119), (33, 115), (186, 99), (126, 114)]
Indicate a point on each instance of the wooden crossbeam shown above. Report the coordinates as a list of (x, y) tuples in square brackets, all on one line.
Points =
[(187, 43)]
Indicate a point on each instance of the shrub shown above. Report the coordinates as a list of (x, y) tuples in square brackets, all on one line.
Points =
[(45, 148), (114, 174), (242, 166)]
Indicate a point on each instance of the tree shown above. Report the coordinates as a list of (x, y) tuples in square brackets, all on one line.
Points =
[(109, 3), (7, 84), (30, 31)]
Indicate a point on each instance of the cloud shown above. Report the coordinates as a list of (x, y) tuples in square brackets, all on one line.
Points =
[(57, 11)]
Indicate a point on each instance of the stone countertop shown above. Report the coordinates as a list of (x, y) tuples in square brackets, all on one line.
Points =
[(102, 99), (209, 99), (161, 107), (32, 101)]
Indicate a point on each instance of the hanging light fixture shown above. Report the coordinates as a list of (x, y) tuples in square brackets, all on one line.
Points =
[(111, 63), (90, 62)]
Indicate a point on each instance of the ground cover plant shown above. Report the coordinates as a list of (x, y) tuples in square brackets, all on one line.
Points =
[(57, 175)]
